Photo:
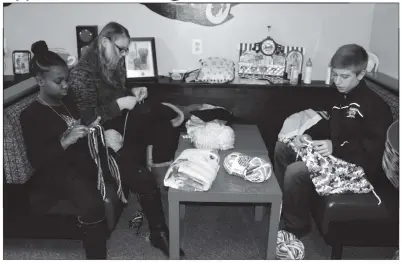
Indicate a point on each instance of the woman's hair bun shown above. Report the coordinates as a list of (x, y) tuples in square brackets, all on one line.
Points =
[(39, 48)]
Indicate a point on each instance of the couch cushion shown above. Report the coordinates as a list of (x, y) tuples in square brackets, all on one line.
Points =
[(17, 168), (356, 207), (347, 207)]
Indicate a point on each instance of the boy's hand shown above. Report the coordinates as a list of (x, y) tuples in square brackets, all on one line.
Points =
[(300, 141), (324, 147)]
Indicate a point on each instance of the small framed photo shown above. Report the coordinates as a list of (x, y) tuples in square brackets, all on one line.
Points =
[(141, 59), (21, 59)]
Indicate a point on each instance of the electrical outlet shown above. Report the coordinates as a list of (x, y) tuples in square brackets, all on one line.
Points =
[(197, 46)]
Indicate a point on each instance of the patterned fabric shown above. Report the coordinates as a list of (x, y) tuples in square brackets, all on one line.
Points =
[(17, 167), (288, 246), (216, 70), (331, 175), (391, 99)]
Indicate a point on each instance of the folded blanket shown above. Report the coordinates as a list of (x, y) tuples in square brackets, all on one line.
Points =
[(193, 170), (298, 123)]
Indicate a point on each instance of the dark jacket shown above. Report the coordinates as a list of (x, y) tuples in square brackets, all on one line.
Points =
[(357, 128)]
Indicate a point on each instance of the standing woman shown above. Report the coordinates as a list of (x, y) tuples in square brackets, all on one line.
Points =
[(58, 150), (98, 85)]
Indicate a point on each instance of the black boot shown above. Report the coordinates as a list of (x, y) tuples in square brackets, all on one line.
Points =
[(152, 207), (94, 239)]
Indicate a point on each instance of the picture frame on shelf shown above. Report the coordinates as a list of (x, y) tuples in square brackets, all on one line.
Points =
[(140, 60), (294, 57), (21, 60)]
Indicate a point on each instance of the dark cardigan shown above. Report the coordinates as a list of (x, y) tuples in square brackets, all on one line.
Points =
[(94, 95)]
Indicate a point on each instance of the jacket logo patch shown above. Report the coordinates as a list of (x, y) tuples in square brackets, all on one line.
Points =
[(352, 112)]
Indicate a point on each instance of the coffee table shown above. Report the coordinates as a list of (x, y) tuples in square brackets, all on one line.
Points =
[(231, 189)]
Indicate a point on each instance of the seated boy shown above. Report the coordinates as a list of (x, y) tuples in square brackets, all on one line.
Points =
[(356, 133)]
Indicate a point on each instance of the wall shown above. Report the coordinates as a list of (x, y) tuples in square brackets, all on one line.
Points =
[(320, 28), (384, 41)]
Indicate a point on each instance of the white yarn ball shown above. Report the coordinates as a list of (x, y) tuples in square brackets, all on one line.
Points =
[(214, 136), (288, 246), (113, 139)]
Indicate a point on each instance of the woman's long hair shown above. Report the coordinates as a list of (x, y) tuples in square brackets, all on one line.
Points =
[(114, 75)]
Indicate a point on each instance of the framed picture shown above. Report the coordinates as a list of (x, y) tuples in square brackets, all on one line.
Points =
[(21, 59), (141, 59), (294, 57)]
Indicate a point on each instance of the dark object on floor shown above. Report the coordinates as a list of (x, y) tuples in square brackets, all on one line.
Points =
[(137, 221)]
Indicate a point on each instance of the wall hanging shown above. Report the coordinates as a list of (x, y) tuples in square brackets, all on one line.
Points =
[(204, 14), (141, 59)]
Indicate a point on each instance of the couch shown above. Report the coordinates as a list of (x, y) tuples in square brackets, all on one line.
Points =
[(345, 219), (27, 212)]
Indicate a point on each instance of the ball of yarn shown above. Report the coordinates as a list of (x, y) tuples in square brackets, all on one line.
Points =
[(253, 169), (213, 136), (113, 139), (288, 246)]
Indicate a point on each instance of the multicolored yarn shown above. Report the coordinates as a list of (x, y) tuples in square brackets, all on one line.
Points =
[(288, 246), (331, 175), (253, 169), (93, 144)]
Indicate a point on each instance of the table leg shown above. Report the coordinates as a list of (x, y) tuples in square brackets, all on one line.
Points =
[(273, 229), (182, 211), (174, 229), (259, 213)]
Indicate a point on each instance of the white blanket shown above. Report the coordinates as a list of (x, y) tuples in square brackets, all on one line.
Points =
[(296, 124), (193, 170)]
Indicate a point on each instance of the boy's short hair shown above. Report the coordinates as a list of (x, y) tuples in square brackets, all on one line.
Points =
[(350, 56)]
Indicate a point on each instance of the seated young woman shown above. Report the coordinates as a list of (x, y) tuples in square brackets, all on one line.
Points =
[(58, 148)]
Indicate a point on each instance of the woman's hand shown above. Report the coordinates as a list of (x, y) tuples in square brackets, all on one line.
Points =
[(75, 133), (140, 92), (127, 102)]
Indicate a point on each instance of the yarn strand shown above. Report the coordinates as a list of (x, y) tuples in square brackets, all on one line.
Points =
[(113, 167)]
